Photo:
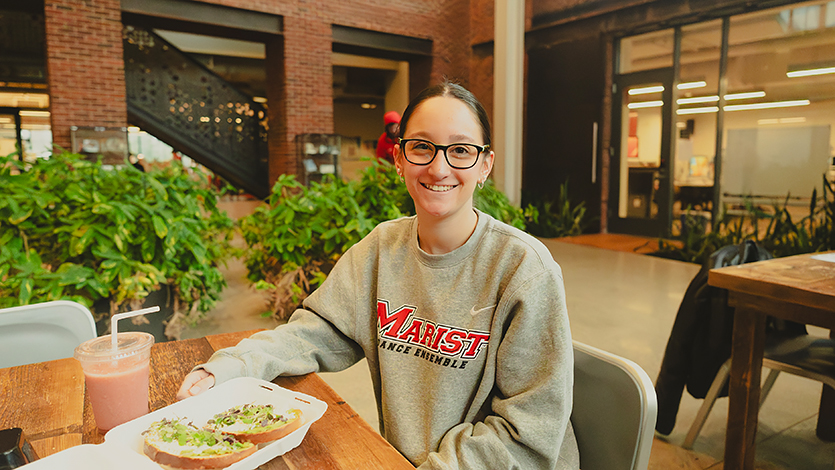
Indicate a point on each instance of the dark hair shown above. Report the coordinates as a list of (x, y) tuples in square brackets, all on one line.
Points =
[(453, 90)]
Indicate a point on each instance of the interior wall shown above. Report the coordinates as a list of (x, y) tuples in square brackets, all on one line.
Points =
[(350, 120), (773, 161)]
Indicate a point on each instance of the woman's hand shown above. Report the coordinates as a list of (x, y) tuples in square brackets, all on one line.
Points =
[(195, 383)]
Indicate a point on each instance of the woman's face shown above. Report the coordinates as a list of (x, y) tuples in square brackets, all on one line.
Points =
[(440, 191)]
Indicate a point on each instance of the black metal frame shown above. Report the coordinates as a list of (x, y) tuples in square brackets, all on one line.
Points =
[(186, 105)]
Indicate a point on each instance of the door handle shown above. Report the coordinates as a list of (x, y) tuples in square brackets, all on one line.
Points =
[(593, 152)]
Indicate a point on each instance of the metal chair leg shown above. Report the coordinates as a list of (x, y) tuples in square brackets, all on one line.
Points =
[(707, 404)]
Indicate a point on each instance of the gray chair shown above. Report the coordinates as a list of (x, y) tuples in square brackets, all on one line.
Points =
[(43, 332), (614, 411), (804, 356)]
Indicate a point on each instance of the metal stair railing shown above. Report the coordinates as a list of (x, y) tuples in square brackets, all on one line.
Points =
[(179, 101)]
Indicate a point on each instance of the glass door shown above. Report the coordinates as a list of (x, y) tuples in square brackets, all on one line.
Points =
[(641, 187)]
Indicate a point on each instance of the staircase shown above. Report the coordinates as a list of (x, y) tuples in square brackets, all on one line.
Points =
[(184, 104)]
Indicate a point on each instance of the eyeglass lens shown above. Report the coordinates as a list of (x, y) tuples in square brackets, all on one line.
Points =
[(421, 152)]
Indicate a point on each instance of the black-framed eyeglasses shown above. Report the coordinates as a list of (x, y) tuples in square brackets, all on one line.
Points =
[(459, 155)]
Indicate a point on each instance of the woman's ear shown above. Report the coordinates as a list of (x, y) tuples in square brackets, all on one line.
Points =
[(487, 167), (397, 157)]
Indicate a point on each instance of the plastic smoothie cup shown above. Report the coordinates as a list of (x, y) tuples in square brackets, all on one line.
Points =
[(117, 378)]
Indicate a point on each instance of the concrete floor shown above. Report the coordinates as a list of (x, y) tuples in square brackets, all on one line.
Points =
[(624, 303)]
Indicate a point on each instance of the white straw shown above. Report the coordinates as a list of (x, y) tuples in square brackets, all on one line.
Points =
[(119, 316)]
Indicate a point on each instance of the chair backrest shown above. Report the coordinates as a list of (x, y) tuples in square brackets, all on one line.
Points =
[(43, 332), (614, 411)]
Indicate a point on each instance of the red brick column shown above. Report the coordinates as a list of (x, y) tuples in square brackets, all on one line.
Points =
[(85, 64), (303, 89)]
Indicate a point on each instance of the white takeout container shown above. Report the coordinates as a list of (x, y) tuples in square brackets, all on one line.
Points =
[(122, 447)]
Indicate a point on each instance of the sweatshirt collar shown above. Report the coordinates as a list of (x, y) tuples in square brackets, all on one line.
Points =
[(455, 256)]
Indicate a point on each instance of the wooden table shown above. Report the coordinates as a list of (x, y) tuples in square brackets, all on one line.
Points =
[(797, 288), (49, 402)]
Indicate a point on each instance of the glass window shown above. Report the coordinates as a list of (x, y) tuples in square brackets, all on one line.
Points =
[(697, 99), (780, 107), (646, 52), (36, 135)]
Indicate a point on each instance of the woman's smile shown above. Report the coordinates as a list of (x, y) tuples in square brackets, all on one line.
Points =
[(439, 188)]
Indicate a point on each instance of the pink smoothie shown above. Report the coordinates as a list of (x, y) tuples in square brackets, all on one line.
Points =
[(118, 397)]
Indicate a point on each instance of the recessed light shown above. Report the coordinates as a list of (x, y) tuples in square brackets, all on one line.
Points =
[(810, 72), (769, 105), (691, 85), (703, 110), (645, 104), (645, 90)]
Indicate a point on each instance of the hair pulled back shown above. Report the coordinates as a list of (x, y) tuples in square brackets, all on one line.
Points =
[(452, 90)]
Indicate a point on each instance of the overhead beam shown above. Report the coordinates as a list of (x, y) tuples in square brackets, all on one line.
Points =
[(196, 12)]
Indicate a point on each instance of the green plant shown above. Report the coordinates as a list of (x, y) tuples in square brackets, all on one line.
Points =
[(72, 229), (782, 236), (554, 219), (494, 202), (297, 236)]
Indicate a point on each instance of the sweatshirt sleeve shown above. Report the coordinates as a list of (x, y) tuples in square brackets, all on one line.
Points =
[(315, 339), (527, 425)]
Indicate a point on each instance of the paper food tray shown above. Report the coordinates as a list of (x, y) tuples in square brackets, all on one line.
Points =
[(198, 409)]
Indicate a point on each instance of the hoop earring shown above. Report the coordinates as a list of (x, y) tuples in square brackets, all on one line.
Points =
[(480, 185)]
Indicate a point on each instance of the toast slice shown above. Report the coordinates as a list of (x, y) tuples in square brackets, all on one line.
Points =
[(177, 444), (256, 423)]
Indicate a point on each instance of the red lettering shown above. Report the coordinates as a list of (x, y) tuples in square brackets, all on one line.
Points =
[(479, 340), (438, 336), (390, 325), (452, 342), (412, 335), (427, 334)]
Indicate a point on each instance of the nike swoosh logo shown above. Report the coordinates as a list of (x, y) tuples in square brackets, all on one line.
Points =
[(475, 312)]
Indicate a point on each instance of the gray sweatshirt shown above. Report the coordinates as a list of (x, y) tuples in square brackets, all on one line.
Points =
[(470, 351)]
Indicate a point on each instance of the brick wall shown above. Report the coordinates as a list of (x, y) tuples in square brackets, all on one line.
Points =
[(87, 72), (85, 65)]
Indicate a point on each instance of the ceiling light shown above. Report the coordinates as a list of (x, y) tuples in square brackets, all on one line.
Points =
[(715, 98), (35, 113), (645, 104), (706, 109), (810, 72), (745, 96), (698, 99), (765, 122), (259, 99), (745, 107), (792, 120), (645, 90), (773, 104), (368, 106), (691, 85)]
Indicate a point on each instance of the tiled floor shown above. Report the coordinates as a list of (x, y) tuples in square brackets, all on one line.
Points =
[(625, 303)]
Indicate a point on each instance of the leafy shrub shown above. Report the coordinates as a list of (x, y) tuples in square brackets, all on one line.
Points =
[(72, 229), (554, 219), (294, 240), (781, 237)]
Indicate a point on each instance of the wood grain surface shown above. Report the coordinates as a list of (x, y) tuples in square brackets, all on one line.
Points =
[(800, 280), (45, 400), (49, 402), (798, 288)]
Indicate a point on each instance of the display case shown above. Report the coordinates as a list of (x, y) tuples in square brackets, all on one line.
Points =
[(319, 154)]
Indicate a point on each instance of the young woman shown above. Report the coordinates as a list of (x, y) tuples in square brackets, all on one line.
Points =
[(462, 318)]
